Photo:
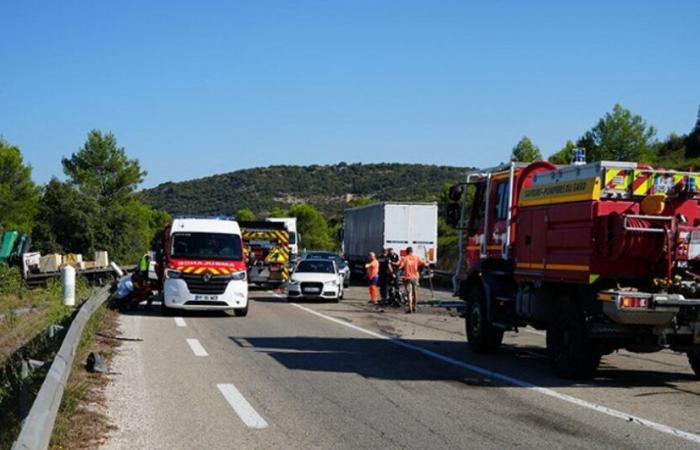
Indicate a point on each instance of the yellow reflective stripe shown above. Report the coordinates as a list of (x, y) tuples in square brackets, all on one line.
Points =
[(606, 297), (200, 270), (527, 265), (618, 179), (642, 183), (213, 270), (570, 267)]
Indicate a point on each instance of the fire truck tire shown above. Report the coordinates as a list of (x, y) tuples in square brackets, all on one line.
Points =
[(694, 360), (482, 336), (241, 312), (573, 355)]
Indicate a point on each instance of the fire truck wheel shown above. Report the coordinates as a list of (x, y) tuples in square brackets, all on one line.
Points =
[(694, 360), (573, 355), (483, 337)]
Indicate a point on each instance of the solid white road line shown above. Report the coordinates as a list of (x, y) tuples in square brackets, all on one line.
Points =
[(197, 348), (244, 409), (180, 322), (515, 381)]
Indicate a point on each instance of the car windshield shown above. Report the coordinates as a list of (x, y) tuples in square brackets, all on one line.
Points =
[(317, 266), (206, 246), (320, 255)]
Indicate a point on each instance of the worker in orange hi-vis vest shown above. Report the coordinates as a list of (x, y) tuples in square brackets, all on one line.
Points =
[(410, 265), (373, 277)]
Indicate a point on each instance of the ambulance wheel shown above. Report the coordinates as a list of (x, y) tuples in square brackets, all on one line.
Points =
[(573, 355), (164, 310), (241, 312), (694, 360), (483, 337)]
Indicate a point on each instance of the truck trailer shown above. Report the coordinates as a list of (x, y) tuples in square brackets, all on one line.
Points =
[(603, 256), (394, 225)]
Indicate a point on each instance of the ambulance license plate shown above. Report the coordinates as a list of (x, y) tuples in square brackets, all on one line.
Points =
[(206, 298)]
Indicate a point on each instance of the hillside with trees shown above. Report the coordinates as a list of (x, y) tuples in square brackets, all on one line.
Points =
[(327, 188)]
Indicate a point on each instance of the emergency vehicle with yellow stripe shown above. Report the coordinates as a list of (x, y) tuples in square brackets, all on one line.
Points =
[(202, 266), (603, 256), (267, 251)]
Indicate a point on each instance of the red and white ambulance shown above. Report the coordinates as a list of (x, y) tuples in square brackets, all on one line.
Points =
[(203, 266)]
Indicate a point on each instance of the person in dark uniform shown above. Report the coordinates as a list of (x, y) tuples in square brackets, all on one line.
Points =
[(384, 275)]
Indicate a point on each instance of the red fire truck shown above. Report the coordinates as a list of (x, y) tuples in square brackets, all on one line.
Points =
[(603, 256)]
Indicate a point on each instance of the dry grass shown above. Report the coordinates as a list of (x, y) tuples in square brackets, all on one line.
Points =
[(81, 421), (44, 308)]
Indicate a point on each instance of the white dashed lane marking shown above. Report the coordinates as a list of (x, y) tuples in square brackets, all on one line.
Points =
[(515, 381), (180, 322), (241, 406), (197, 348)]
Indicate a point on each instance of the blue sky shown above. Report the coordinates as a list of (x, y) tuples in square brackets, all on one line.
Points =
[(197, 88)]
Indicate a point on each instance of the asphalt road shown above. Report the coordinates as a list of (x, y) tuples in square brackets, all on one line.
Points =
[(348, 375)]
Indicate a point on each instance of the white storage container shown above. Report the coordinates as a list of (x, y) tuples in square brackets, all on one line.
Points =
[(50, 263), (101, 258)]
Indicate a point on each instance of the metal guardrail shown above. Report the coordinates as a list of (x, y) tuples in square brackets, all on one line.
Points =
[(38, 426)]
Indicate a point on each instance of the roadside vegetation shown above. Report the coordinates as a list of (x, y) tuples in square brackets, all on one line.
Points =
[(81, 422), (26, 316)]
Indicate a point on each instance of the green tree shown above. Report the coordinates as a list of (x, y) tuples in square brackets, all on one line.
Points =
[(620, 135), (359, 201), (278, 212), (97, 208), (101, 168), (19, 196), (312, 227), (692, 142), (67, 220), (525, 151), (565, 155), (245, 214)]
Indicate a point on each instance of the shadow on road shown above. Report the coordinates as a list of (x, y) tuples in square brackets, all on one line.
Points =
[(380, 359)]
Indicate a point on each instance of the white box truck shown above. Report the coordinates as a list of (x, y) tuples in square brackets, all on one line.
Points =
[(394, 225)]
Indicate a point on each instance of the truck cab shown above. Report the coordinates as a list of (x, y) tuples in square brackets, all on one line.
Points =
[(204, 266)]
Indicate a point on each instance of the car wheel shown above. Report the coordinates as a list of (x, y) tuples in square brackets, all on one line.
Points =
[(164, 310), (241, 312)]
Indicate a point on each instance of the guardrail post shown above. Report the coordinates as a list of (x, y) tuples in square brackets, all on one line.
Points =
[(23, 389)]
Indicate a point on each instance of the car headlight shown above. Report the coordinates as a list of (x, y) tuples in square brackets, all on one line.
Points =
[(332, 283), (293, 282), (239, 276), (170, 273)]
